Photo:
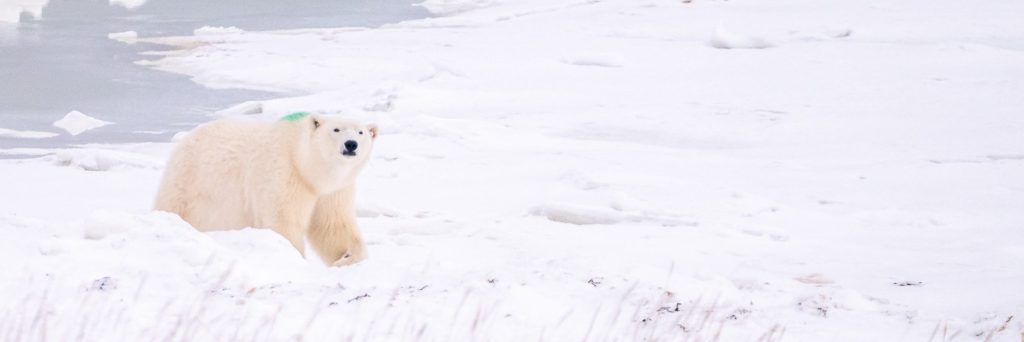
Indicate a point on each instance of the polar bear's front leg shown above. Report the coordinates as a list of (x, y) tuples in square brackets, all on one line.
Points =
[(289, 216), (334, 232), (292, 229)]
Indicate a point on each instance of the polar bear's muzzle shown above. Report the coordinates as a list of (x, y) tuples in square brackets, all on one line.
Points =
[(350, 148)]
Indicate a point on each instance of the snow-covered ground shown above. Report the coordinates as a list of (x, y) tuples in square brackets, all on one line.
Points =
[(580, 170)]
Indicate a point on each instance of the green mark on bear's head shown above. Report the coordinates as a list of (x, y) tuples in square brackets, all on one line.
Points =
[(294, 116)]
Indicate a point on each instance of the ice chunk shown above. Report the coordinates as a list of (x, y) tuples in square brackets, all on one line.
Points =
[(216, 30), (129, 4), (127, 37), (75, 123), (10, 133)]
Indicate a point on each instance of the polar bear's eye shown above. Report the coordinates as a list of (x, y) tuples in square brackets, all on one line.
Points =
[(360, 132), (337, 130)]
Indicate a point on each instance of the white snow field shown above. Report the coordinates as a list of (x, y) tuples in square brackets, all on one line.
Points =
[(566, 170)]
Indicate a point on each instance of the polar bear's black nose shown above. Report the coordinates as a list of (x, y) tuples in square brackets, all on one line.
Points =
[(351, 145)]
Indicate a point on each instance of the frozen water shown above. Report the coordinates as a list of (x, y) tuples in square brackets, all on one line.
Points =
[(59, 58)]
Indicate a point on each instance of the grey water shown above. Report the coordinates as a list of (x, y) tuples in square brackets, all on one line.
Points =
[(63, 61)]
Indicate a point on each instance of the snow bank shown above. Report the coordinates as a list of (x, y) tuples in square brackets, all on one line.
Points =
[(103, 160), (75, 123)]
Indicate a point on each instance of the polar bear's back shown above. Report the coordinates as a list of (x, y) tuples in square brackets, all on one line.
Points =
[(205, 179)]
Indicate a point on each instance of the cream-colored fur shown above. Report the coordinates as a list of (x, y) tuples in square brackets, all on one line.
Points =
[(289, 176)]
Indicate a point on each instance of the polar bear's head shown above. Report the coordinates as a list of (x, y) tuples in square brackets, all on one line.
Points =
[(345, 142), (343, 146)]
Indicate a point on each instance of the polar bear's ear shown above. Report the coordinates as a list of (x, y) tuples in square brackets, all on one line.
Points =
[(316, 121), (373, 130)]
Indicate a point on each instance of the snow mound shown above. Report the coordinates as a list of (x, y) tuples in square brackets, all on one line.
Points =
[(598, 60), (724, 39), (575, 214), (157, 234), (589, 215), (383, 100), (263, 252), (75, 123), (10, 133), (102, 224), (256, 241), (216, 30), (244, 108), (109, 243), (823, 35), (127, 37), (370, 210), (165, 236), (104, 160)]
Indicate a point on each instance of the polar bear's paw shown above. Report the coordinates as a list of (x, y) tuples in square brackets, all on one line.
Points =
[(350, 257)]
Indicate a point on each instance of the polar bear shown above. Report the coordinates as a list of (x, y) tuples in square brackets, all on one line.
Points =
[(296, 176)]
